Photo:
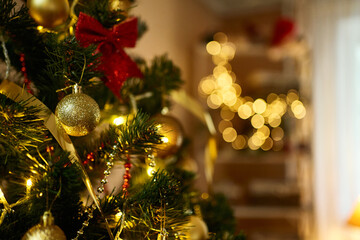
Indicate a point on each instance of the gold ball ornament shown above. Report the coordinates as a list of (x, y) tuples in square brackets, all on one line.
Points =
[(78, 114), (49, 13), (45, 230), (197, 229), (116, 5), (172, 135)]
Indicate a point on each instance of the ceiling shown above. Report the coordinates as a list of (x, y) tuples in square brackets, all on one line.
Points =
[(236, 7)]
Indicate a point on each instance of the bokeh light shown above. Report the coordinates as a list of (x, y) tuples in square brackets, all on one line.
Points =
[(264, 130), (257, 121), (245, 111), (251, 144), (229, 134), (274, 120), (213, 48), (259, 106), (268, 144), (271, 97), (278, 145), (298, 109), (220, 37), (240, 142), (265, 114), (292, 95), (227, 114), (207, 86), (223, 124), (277, 133)]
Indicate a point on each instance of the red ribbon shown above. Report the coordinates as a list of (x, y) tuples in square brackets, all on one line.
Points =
[(115, 63)]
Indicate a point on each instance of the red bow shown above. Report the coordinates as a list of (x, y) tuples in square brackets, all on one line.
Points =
[(116, 64)]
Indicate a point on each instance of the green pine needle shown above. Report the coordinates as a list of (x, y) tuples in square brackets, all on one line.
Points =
[(20, 129)]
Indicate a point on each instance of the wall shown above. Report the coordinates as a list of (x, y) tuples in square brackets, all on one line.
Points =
[(174, 28)]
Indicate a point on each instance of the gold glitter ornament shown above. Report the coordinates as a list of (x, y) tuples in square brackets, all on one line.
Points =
[(78, 113), (197, 229), (45, 230), (49, 13), (172, 135)]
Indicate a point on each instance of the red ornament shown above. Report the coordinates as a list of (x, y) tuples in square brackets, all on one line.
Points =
[(284, 30), (116, 64)]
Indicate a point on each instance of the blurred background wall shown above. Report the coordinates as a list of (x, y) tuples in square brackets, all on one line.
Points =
[(305, 185)]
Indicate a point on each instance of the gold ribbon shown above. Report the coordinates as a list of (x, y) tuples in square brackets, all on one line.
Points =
[(193, 106), (17, 93)]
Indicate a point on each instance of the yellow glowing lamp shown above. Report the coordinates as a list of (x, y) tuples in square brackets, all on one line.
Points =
[(354, 219)]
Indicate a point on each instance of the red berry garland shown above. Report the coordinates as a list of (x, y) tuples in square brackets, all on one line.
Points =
[(127, 176), (23, 70)]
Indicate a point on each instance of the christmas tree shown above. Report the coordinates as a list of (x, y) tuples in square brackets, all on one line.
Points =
[(64, 66)]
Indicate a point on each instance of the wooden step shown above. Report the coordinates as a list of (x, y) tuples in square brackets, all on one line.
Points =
[(263, 192), (268, 222)]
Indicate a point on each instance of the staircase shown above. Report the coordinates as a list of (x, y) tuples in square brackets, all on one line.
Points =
[(266, 193)]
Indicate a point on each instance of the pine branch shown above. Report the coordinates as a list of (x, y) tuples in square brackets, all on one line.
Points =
[(142, 28), (20, 129), (160, 196), (12, 21), (134, 137), (100, 10), (66, 63), (21, 36), (137, 134), (59, 177), (70, 63), (160, 78)]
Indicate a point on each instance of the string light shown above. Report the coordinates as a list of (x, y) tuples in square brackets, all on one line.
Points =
[(119, 120), (118, 216), (150, 171), (29, 183), (265, 115), (2, 196)]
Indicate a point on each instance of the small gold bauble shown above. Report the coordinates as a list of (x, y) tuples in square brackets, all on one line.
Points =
[(49, 13), (45, 230), (172, 135), (78, 114), (116, 5), (197, 229)]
